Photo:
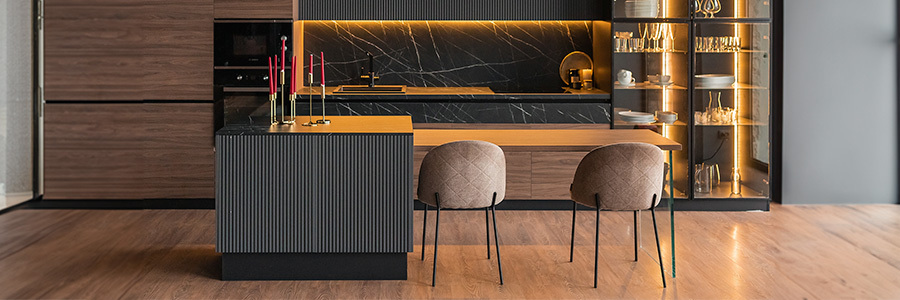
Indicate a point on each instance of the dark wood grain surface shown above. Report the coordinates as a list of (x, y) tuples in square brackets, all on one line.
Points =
[(101, 50), (254, 9), (128, 151)]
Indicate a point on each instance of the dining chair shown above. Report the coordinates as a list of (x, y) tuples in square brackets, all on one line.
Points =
[(463, 175), (619, 177)]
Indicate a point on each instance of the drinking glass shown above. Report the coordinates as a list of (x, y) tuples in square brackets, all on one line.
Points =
[(621, 45), (636, 44), (716, 7)]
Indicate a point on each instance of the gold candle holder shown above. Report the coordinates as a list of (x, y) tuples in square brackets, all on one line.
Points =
[(323, 120), (273, 119), (310, 122)]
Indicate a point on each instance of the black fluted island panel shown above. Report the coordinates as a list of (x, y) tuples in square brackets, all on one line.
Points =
[(326, 202)]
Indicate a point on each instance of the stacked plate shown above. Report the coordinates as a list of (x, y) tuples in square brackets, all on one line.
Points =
[(714, 80), (636, 117), (641, 8)]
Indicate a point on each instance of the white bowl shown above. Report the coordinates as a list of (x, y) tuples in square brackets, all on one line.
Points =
[(714, 80)]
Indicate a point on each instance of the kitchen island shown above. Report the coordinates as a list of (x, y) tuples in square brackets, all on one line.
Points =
[(315, 203)]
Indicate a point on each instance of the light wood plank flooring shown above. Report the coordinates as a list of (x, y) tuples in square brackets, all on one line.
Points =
[(792, 252)]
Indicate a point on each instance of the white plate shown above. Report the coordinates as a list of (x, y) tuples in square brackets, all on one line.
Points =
[(663, 83), (635, 114), (629, 84)]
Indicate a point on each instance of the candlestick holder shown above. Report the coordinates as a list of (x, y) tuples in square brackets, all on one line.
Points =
[(273, 112), (323, 120), (310, 122)]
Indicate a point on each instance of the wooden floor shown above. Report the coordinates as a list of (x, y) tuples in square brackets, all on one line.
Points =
[(791, 252)]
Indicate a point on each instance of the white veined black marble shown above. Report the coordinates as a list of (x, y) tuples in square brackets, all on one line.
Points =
[(507, 56)]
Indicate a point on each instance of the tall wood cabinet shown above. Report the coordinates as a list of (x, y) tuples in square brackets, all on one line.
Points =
[(130, 99)]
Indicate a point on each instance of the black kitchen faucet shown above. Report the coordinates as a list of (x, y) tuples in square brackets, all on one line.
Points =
[(371, 74)]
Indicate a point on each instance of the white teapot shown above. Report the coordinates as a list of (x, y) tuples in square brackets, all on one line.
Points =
[(624, 77)]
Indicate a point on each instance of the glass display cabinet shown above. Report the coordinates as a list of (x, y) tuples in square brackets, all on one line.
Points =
[(709, 62)]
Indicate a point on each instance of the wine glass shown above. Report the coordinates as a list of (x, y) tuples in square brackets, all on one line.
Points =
[(716, 7), (696, 6)]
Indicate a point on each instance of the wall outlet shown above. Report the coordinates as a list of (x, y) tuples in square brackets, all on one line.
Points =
[(724, 134)]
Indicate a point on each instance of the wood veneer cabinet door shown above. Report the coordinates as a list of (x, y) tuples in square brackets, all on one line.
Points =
[(178, 53), (93, 50), (179, 155), (552, 173), (93, 151), (128, 151), (129, 50), (254, 9)]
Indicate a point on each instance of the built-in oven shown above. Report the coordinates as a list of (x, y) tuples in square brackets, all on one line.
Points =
[(242, 52)]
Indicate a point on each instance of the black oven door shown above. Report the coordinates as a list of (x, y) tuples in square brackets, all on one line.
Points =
[(242, 43)]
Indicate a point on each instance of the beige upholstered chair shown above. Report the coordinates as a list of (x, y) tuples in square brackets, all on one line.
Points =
[(463, 174), (626, 176)]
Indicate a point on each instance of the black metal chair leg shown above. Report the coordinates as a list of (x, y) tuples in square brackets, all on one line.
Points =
[(424, 226), (487, 231), (572, 244), (437, 225), (596, 239), (635, 235), (658, 251), (496, 238)]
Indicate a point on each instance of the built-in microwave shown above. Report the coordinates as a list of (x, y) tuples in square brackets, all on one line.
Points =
[(249, 43)]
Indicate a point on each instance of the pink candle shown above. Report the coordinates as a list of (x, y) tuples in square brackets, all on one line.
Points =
[(293, 72), (322, 56), (270, 76), (282, 54)]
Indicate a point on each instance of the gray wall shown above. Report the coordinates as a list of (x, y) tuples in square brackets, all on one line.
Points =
[(15, 102), (840, 101)]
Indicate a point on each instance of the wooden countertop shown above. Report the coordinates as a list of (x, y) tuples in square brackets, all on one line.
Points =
[(519, 140), (349, 124)]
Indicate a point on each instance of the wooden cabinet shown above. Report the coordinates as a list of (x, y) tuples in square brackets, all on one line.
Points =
[(102, 50), (254, 9), (129, 151)]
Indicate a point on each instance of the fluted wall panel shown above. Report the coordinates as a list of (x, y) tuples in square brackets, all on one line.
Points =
[(451, 9), (314, 193)]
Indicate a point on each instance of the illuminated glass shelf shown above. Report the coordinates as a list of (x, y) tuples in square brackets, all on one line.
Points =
[(741, 122), (723, 190), (725, 52), (623, 123), (649, 86), (650, 52), (737, 86)]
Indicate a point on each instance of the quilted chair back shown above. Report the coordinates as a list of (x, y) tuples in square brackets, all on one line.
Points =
[(466, 174), (626, 176)]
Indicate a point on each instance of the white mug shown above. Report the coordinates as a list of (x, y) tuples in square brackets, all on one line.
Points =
[(624, 77)]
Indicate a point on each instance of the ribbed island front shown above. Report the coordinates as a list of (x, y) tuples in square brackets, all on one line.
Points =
[(328, 202)]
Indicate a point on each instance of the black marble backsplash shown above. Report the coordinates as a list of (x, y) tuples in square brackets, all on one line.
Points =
[(507, 56)]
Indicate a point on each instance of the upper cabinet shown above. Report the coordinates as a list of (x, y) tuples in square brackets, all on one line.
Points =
[(101, 50), (254, 9)]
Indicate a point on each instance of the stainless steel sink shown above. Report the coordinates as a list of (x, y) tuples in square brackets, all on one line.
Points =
[(379, 89)]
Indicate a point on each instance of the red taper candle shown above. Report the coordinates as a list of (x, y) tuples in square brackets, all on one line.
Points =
[(270, 76), (293, 73), (282, 54), (322, 56)]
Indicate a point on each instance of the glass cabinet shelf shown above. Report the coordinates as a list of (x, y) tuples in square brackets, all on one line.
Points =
[(651, 52), (649, 86), (731, 52), (736, 86), (741, 122)]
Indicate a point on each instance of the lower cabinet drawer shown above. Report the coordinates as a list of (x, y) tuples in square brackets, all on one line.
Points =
[(128, 151)]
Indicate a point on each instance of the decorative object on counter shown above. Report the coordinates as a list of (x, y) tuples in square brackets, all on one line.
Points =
[(293, 89), (273, 119), (310, 122), (574, 60), (713, 81), (636, 117), (710, 8), (666, 117), (642, 8), (322, 81), (706, 177), (735, 180), (718, 44), (587, 78), (717, 115), (283, 60), (624, 78), (574, 79)]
